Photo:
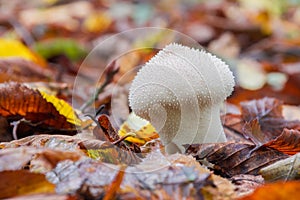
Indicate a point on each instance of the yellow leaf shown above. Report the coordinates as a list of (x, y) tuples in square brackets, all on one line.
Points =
[(63, 108), (97, 22), (14, 48), (142, 128)]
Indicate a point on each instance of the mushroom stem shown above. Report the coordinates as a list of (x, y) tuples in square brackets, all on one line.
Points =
[(201, 126)]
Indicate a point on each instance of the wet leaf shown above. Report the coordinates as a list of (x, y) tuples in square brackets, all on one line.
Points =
[(287, 169), (21, 182), (229, 159), (280, 190)]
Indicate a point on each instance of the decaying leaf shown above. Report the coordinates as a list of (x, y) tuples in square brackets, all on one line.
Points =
[(20, 102), (101, 150), (233, 158), (36, 159), (245, 184), (91, 179), (279, 190), (287, 169), (22, 182), (44, 197)]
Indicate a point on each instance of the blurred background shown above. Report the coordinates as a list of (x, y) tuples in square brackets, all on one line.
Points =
[(47, 40)]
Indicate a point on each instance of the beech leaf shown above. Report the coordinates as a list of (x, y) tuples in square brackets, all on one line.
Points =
[(288, 142), (229, 159)]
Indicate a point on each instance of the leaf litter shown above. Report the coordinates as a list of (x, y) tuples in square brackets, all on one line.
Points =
[(260, 133)]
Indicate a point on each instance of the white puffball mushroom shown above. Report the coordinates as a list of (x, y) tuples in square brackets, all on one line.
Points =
[(180, 91)]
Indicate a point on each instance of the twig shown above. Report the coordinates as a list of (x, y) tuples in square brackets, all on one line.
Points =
[(111, 71)]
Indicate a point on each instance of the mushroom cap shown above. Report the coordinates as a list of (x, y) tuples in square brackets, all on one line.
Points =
[(180, 75)]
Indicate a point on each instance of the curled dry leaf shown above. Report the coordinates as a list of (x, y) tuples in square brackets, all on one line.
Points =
[(106, 132), (264, 114), (263, 123), (21, 182), (288, 142), (287, 169), (232, 158), (20, 102)]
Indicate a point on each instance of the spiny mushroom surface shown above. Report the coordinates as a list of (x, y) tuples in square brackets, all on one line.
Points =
[(180, 91)]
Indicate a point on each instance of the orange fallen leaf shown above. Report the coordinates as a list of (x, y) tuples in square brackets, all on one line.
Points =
[(21, 182), (288, 142), (279, 191)]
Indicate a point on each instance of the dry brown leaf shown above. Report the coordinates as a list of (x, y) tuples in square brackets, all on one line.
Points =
[(261, 121), (36, 159), (268, 113), (233, 158), (280, 190), (5, 135), (245, 183), (288, 142), (21, 70), (112, 135), (44, 197), (97, 149), (66, 16), (21, 182), (15, 158)]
